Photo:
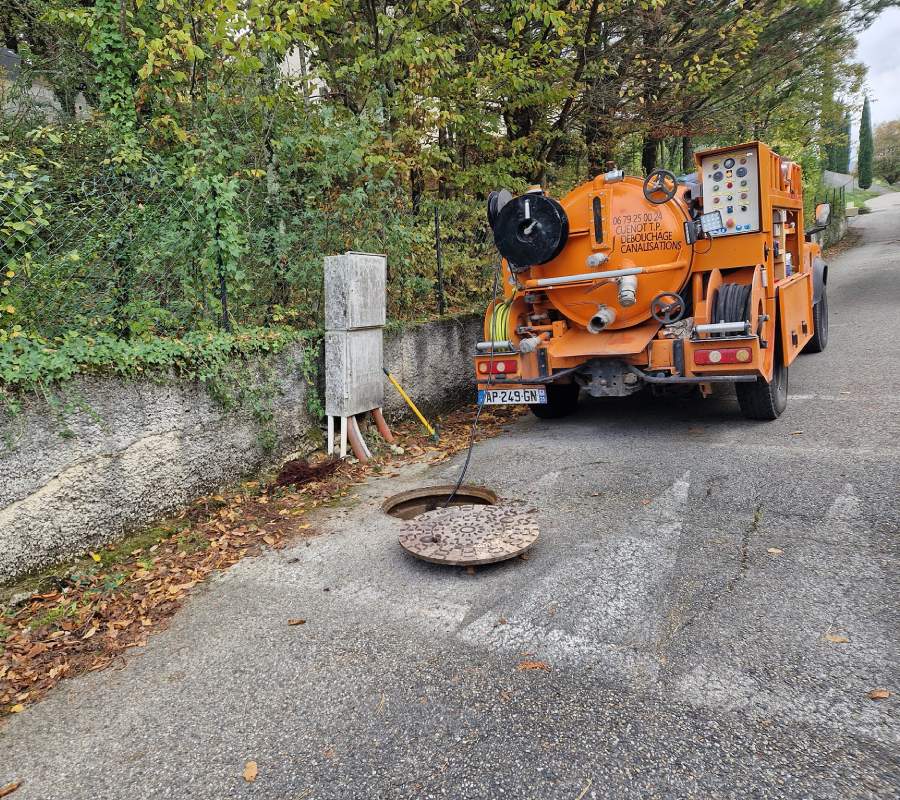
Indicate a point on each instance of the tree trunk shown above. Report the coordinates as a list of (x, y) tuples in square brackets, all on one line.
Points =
[(687, 154), (649, 153), (598, 143)]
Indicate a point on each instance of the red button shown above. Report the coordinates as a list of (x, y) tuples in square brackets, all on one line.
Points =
[(729, 184), (715, 199), (730, 223)]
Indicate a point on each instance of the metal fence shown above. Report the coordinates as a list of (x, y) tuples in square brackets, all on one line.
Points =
[(836, 197), (105, 252), (145, 252)]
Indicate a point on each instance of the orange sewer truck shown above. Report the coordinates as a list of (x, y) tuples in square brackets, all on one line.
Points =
[(670, 281)]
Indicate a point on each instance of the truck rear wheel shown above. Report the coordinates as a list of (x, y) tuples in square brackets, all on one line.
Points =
[(820, 325), (562, 400), (765, 399)]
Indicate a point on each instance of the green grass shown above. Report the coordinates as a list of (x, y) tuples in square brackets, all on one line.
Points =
[(858, 197)]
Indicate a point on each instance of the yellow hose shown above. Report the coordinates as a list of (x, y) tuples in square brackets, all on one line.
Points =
[(499, 327), (411, 404)]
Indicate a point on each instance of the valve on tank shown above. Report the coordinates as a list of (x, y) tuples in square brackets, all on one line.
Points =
[(627, 290)]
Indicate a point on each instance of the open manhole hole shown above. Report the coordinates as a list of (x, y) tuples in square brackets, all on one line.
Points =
[(414, 503), (473, 529)]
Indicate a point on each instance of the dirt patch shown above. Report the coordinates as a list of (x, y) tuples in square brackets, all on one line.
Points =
[(299, 472)]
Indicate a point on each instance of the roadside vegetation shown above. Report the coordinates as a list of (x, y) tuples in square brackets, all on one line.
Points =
[(174, 171)]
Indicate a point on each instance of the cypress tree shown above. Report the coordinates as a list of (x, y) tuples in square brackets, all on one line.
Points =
[(866, 148), (843, 160)]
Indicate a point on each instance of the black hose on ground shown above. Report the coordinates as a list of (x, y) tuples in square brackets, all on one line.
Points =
[(462, 473)]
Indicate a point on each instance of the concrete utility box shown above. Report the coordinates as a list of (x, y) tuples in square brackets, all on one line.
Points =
[(353, 376), (354, 291), (354, 317)]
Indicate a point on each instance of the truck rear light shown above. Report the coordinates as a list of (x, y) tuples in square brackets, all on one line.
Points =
[(724, 355), (500, 366)]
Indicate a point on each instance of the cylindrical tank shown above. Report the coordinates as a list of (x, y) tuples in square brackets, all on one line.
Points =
[(614, 222)]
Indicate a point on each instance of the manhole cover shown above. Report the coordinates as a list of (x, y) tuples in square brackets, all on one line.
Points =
[(464, 535)]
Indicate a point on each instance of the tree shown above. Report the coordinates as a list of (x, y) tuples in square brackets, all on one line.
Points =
[(886, 163), (843, 154), (866, 148)]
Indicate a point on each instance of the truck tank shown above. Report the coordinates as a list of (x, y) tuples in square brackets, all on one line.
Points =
[(608, 223)]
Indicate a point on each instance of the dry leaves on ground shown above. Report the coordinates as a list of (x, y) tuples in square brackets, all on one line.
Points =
[(85, 617), (879, 694), (527, 665), (250, 771), (9, 788), (836, 638)]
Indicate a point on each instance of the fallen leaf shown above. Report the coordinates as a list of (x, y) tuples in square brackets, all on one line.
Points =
[(17, 708), (796, 433), (296, 621), (9, 788), (502, 621), (269, 539), (250, 771), (95, 557), (879, 694), (525, 665), (774, 551), (836, 638)]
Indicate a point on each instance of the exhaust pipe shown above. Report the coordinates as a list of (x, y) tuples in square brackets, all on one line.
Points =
[(603, 316)]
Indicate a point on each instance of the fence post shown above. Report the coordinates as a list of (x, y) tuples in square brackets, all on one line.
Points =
[(439, 283), (124, 277), (220, 267)]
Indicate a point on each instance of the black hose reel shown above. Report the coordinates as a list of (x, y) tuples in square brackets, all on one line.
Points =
[(529, 229)]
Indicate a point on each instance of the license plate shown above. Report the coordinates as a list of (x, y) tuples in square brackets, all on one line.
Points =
[(504, 397)]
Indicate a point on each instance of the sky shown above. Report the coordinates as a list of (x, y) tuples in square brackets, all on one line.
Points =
[(877, 49)]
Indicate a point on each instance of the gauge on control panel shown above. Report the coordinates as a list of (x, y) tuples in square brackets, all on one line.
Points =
[(719, 190)]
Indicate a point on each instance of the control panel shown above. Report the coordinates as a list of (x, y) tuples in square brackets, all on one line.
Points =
[(731, 187)]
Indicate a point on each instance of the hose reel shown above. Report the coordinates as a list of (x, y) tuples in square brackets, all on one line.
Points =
[(528, 230)]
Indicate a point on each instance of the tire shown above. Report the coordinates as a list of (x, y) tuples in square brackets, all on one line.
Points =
[(765, 400), (820, 325), (562, 400)]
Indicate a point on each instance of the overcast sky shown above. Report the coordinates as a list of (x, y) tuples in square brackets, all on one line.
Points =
[(877, 49)]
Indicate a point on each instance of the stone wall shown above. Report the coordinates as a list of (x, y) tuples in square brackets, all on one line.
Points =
[(127, 453)]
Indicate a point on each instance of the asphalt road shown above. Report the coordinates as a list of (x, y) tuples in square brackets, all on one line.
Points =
[(690, 567)]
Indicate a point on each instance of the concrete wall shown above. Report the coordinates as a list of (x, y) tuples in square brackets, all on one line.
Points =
[(836, 180), (433, 363), (133, 451)]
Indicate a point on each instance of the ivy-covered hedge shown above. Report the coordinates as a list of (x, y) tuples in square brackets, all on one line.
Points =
[(35, 364)]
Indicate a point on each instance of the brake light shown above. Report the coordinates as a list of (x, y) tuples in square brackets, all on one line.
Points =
[(500, 366), (724, 355)]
